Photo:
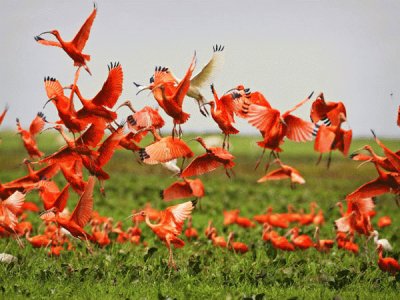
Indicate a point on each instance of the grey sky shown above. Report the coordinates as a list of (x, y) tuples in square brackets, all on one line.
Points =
[(285, 49)]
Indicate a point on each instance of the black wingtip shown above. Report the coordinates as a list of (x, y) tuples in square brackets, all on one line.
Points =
[(194, 202), (373, 133), (161, 193), (311, 95)]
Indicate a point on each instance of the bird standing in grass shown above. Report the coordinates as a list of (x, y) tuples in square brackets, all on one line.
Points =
[(170, 226)]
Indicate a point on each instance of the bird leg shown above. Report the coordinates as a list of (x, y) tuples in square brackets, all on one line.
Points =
[(71, 97), (269, 161), (319, 159), (259, 160), (180, 131), (224, 142), (203, 110), (183, 161), (329, 159)]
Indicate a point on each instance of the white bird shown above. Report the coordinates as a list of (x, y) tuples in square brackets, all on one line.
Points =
[(172, 166), (384, 242), (204, 78)]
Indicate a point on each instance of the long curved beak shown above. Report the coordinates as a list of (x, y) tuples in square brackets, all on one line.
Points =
[(141, 88), (228, 91), (207, 103), (48, 102), (46, 32)]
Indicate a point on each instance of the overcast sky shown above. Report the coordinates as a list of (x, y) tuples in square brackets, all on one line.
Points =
[(350, 50)]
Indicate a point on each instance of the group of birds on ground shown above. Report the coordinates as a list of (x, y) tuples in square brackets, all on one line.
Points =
[(88, 147)]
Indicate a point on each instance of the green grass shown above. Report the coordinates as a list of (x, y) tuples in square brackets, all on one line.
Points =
[(125, 271)]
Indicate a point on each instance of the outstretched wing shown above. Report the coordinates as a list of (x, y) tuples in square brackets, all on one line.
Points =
[(37, 124), (82, 36), (112, 87), (165, 150), (298, 130), (84, 208), (174, 216), (200, 165), (42, 41), (206, 75), (261, 117)]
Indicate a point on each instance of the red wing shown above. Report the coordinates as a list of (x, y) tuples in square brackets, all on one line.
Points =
[(334, 111), (298, 130), (324, 139), (343, 224), (184, 84), (200, 165), (167, 149), (82, 36), (42, 41), (62, 198), (112, 87), (177, 190), (364, 205), (177, 214), (227, 104), (14, 202), (278, 174), (370, 189), (221, 153), (347, 135), (393, 157), (147, 117), (163, 75), (61, 156), (93, 135), (3, 114), (259, 99), (83, 210), (37, 124), (108, 147), (261, 117), (197, 187), (48, 172), (53, 88)]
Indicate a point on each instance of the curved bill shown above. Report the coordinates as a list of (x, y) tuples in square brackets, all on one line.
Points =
[(48, 102)]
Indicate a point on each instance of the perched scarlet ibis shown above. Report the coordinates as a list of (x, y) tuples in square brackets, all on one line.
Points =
[(75, 47), (237, 247), (281, 243), (28, 137), (322, 245), (302, 241), (384, 221), (170, 226), (212, 159), (387, 264), (307, 219), (191, 232)]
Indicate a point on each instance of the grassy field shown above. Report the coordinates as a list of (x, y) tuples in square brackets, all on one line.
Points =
[(130, 272)]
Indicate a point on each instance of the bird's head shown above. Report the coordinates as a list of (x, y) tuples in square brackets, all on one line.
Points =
[(53, 32)]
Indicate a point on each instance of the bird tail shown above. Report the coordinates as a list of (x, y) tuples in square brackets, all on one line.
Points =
[(183, 118)]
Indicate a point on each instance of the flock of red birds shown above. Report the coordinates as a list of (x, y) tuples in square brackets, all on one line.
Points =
[(88, 147)]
